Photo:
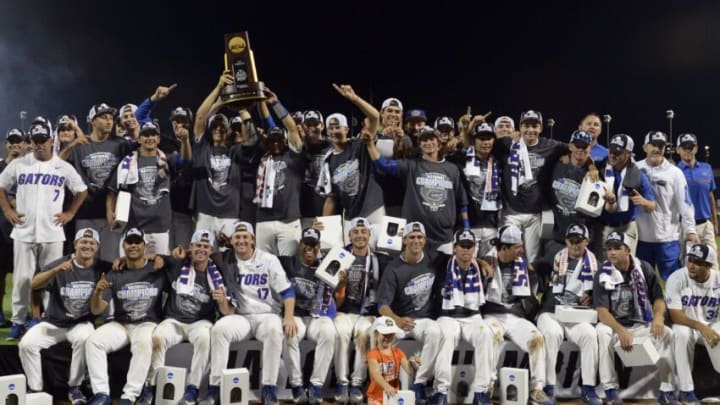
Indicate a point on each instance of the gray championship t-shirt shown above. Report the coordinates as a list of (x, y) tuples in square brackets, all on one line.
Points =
[(566, 182), (408, 288), (620, 301), (474, 183), (136, 294), (311, 203), (192, 307), (289, 172), (353, 184), (217, 175)]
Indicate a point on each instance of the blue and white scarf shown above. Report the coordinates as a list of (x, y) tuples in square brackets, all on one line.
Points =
[(610, 277), (491, 194), (623, 197), (520, 284), (581, 279), (455, 293), (519, 159), (186, 280)]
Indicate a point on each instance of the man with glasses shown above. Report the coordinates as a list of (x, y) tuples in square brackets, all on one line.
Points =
[(39, 180), (701, 185)]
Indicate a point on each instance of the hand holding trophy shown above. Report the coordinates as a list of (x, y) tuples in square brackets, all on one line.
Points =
[(240, 62)]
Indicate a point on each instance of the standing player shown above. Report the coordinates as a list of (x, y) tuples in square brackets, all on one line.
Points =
[(70, 281), (136, 293), (195, 283), (38, 218), (256, 283), (693, 298)]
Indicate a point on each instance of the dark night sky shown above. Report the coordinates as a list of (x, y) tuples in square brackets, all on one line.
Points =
[(633, 60)]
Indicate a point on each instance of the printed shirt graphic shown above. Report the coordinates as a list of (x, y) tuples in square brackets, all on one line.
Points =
[(434, 189), (189, 308), (346, 177), (137, 294), (700, 302), (408, 288), (219, 170), (389, 368), (356, 287)]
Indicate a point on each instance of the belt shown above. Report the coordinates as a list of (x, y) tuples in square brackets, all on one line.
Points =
[(701, 221)]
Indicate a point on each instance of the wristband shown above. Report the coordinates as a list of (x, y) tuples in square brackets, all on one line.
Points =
[(279, 110)]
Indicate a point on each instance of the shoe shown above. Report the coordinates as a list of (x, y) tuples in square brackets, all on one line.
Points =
[(146, 396), (29, 324), (420, 398), (315, 395), (299, 395), (212, 396), (191, 395), (688, 398), (16, 332), (612, 397), (481, 398), (341, 394), (667, 398), (125, 401), (549, 390), (356, 395), (269, 397), (538, 397), (100, 399), (438, 399), (76, 397), (589, 396)]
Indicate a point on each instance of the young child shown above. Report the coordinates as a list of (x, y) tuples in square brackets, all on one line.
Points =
[(384, 361)]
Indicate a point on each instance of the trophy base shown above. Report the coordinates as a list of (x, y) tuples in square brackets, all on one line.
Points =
[(239, 99)]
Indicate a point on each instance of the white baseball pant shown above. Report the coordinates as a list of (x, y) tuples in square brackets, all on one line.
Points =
[(44, 335), (484, 238), (357, 327), (214, 224), (428, 332), (531, 227), (583, 335), (267, 328), (320, 330), (114, 336), (278, 237), (109, 238), (171, 332), (28, 258), (685, 340), (606, 355), (524, 334), (475, 331)]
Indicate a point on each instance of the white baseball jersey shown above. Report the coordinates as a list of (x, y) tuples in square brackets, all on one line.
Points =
[(673, 205), (260, 281), (700, 302), (39, 196)]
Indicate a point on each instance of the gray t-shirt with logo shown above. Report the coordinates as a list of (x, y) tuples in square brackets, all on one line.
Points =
[(136, 294), (217, 175), (188, 308), (408, 288)]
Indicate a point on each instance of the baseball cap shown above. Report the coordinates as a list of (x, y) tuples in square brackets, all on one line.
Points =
[(577, 230), (87, 233), (391, 102), (687, 139), (509, 235), (312, 117), (505, 118), (413, 227), (464, 236), (310, 236), (483, 129), (427, 132), (149, 127), (181, 113), (218, 117), (702, 253), (336, 119), (64, 121), (203, 235), (580, 137), (41, 131), (621, 142), (134, 234), (386, 325), (359, 221), (235, 121), (99, 109), (616, 238), (531, 115), (277, 132), (15, 133), (127, 107), (242, 226), (656, 138), (416, 115), (446, 123)]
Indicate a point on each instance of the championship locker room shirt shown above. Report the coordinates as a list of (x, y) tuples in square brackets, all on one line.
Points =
[(39, 195), (699, 301), (137, 294)]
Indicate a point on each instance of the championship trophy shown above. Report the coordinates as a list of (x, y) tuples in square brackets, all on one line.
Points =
[(239, 60)]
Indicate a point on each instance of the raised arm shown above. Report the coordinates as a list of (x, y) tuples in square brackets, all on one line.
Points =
[(370, 112), (294, 139), (210, 105)]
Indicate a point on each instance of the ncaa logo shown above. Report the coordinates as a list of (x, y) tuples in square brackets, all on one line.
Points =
[(512, 377), (170, 375), (401, 401), (462, 374), (342, 255), (11, 387), (236, 380)]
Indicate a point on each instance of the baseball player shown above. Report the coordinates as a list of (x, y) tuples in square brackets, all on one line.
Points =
[(258, 290), (195, 283), (40, 179), (406, 295), (630, 303), (136, 293), (693, 298), (70, 282), (508, 294), (570, 283), (357, 307), (462, 297), (315, 309)]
